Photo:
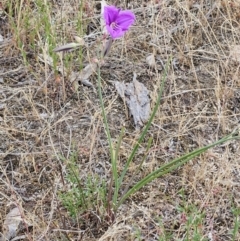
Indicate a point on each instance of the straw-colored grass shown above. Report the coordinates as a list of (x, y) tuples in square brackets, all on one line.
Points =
[(44, 122)]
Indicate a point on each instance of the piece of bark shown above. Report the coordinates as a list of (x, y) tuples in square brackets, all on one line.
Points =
[(11, 224), (136, 95)]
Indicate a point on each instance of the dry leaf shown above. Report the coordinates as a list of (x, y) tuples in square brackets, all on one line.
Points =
[(67, 47), (88, 71), (136, 96), (151, 61), (11, 223), (83, 76), (79, 40)]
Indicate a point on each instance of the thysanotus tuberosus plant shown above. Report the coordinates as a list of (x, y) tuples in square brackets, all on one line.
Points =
[(117, 22)]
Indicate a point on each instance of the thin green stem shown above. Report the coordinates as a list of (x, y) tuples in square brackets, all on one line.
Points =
[(139, 166), (113, 154), (114, 166), (104, 114), (144, 132)]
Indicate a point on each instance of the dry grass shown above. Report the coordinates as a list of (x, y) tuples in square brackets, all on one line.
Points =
[(42, 119)]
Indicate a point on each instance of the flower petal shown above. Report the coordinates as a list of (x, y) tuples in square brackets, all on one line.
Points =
[(110, 14), (115, 33), (125, 19)]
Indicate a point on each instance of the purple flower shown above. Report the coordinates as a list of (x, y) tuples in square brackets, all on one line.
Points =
[(117, 21)]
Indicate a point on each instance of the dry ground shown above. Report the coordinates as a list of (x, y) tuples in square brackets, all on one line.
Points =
[(41, 119)]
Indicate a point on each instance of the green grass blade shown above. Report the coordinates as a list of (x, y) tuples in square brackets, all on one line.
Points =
[(173, 165), (139, 166), (114, 166), (144, 132), (104, 115)]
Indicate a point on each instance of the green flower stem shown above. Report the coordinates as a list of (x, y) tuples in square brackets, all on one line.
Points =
[(114, 167), (104, 115)]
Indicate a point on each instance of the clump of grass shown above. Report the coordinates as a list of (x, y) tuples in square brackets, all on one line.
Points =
[(83, 195), (33, 31), (137, 234), (19, 16), (38, 31), (236, 224), (164, 235), (192, 223)]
